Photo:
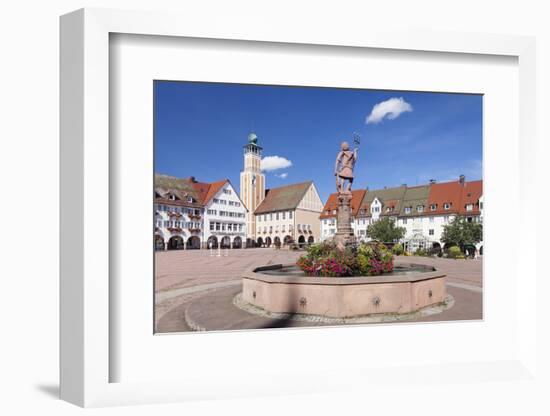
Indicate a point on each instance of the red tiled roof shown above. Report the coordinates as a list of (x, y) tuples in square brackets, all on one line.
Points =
[(283, 198), (471, 192), (207, 191), (332, 203), (442, 193)]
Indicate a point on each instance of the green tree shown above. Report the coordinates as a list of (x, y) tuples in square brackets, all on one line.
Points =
[(460, 232), (385, 230)]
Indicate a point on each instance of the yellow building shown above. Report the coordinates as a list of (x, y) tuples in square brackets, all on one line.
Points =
[(289, 214)]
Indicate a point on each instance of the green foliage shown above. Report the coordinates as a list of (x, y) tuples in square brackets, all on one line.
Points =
[(460, 232), (326, 260), (421, 252), (454, 252), (398, 249), (385, 230)]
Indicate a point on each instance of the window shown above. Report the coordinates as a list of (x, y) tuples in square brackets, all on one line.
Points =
[(283, 229), (446, 218), (265, 216), (270, 217), (218, 226), (277, 216), (404, 221), (212, 225), (408, 210), (446, 205), (433, 207), (289, 215), (227, 191), (284, 215), (259, 218), (389, 209), (481, 205), (431, 231), (431, 219), (469, 207), (189, 199), (420, 208)]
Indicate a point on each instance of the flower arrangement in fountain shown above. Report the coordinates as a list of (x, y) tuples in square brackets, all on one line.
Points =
[(363, 259)]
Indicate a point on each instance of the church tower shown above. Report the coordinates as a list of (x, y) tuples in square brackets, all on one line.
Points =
[(252, 182)]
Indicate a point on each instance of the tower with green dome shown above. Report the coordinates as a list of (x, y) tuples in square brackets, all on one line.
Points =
[(252, 190)]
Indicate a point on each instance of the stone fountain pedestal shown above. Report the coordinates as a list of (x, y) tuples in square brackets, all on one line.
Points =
[(344, 232)]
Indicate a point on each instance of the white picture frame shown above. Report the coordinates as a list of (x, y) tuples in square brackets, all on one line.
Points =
[(86, 330)]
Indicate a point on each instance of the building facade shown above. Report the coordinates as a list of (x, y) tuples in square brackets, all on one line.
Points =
[(224, 215), (193, 215), (178, 214), (422, 210), (289, 214)]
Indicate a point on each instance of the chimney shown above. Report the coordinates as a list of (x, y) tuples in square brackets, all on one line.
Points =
[(462, 179)]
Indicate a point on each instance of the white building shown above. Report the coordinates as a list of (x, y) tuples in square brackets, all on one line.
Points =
[(224, 215), (422, 210), (178, 214), (193, 215)]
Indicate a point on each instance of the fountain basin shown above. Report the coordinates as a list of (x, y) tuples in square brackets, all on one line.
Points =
[(280, 289)]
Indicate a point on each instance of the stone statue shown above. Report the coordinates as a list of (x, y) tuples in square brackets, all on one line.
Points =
[(343, 168)]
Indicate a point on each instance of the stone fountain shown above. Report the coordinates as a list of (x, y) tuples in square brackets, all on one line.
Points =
[(285, 289)]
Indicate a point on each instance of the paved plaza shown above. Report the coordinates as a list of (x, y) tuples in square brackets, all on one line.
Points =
[(195, 288)]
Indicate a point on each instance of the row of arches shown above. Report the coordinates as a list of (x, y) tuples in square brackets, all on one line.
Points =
[(177, 242), (225, 242), (286, 241)]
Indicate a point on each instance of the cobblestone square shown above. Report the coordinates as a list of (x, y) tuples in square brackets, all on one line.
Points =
[(195, 288)]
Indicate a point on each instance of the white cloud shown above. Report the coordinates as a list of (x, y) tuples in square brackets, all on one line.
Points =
[(390, 109), (282, 175), (270, 163)]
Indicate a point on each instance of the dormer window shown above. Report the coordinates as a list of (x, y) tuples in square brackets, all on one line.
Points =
[(433, 207), (469, 207), (420, 208), (446, 205), (389, 209), (172, 197), (408, 210), (190, 199)]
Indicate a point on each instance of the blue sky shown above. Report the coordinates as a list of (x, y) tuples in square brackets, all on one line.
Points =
[(201, 128)]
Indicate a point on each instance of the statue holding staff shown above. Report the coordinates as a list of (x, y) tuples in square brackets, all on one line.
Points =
[(343, 168)]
